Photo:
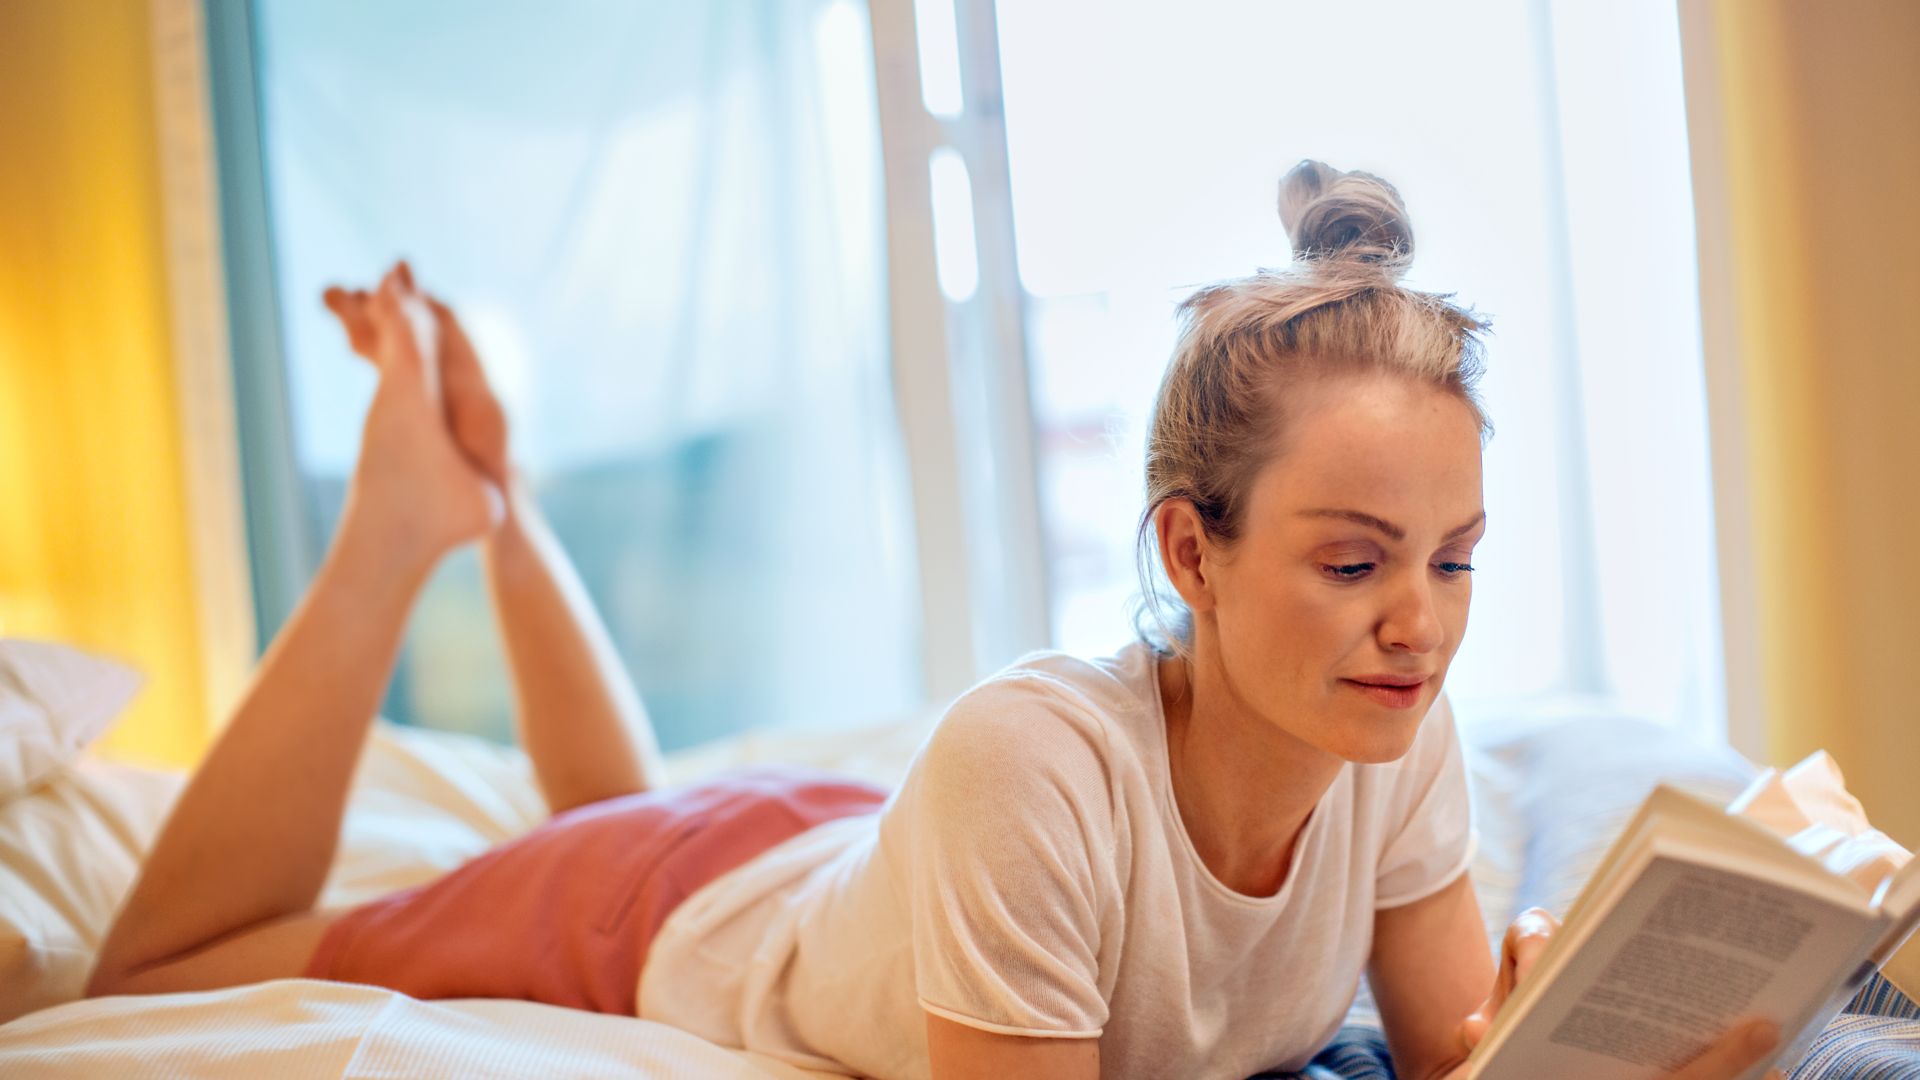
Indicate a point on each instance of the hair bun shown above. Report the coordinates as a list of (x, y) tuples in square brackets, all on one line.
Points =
[(1348, 216)]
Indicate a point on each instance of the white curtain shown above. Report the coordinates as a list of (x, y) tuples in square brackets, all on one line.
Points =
[(662, 223), (1547, 188)]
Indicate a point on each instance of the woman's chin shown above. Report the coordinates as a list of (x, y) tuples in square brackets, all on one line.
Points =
[(1375, 739)]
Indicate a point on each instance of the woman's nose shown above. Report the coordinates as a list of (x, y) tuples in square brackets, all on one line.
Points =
[(1412, 624)]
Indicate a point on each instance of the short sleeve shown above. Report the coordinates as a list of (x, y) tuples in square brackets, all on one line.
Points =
[(1432, 840), (1011, 839)]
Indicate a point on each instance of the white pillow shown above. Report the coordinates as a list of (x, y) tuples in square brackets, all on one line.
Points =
[(54, 701), (68, 854)]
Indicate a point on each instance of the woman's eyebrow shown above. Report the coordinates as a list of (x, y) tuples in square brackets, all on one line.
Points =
[(1393, 531)]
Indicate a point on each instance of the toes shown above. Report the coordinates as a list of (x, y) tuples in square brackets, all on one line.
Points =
[(475, 414), (351, 307), (397, 345)]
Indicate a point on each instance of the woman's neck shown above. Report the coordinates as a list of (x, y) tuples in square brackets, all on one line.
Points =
[(1244, 786)]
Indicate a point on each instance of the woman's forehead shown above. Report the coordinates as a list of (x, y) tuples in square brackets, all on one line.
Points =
[(1401, 453)]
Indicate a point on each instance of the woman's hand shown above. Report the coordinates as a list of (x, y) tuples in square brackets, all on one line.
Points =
[(413, 489), (1730, 1056), (1526, 939)]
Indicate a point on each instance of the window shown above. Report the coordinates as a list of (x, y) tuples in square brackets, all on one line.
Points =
[(1545, 188), (662, 224), (807, 423)]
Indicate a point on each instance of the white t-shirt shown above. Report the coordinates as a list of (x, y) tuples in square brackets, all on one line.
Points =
[(1032, 876)]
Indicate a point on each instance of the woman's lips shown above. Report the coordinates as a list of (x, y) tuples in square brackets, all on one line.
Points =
[(1392, 696)]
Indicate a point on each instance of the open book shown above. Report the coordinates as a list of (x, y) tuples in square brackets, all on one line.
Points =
[(1697, 919)]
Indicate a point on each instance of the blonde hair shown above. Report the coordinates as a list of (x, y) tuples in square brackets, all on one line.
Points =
[(1338, 310)]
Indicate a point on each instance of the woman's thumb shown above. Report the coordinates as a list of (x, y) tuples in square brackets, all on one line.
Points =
[(1474, 1027)]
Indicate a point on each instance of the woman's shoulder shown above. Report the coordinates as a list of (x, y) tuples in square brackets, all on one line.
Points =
[(1050, 718), (1048, 690)]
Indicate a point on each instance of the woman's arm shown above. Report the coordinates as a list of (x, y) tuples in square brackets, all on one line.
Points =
[(1430, 967)]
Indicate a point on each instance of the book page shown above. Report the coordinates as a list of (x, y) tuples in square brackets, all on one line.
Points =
[(1688, 951), (1900, 895)]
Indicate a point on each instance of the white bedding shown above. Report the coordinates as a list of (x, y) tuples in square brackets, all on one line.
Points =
[(302, 1029), (423, 802)]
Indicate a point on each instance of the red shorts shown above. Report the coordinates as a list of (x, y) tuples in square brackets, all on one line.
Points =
[(564, 914)]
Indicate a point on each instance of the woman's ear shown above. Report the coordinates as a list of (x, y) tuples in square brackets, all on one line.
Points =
[(1183, 547)]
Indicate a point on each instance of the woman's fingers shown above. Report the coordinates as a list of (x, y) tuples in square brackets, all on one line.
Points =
[(1734, 1052), (1528, 937), (1474, 1027)]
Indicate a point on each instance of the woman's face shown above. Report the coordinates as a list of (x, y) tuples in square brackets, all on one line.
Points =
[(1337, 612)]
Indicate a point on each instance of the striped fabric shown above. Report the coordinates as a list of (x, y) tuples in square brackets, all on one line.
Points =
[(1880, 998), (1357, 1053), (1863, 1048)]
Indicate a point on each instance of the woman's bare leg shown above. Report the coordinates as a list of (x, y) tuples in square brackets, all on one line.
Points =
[(226, 895), (579, 717)]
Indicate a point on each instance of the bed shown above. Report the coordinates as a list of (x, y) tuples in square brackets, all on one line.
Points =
[(1547, 798)]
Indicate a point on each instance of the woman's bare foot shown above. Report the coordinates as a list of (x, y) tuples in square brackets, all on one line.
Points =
[(473, 412), (413, 484)]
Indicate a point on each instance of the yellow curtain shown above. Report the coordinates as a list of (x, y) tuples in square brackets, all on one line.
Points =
[(1817, 111), (94, 541)]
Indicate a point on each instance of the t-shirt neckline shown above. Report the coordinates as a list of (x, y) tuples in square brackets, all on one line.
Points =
[(1309, 830)]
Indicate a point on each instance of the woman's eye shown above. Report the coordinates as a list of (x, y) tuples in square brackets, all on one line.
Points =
[(1349, 572), (1454, 569)]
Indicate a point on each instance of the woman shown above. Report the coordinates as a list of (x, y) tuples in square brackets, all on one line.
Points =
[(1176, 861)]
